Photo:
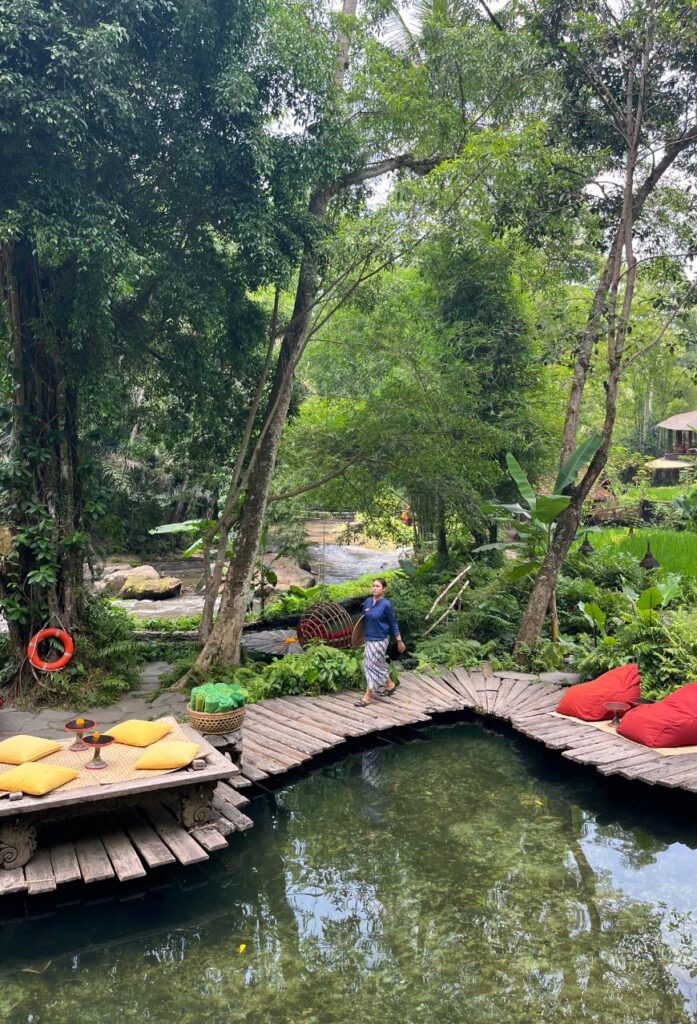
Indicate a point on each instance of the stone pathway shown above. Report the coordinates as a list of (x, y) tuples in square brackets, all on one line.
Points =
[(50, 722)]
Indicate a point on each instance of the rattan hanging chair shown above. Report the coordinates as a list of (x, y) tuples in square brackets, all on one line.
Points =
[(328, 623)]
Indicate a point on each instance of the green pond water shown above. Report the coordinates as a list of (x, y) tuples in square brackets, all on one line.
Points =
[(468, 877)]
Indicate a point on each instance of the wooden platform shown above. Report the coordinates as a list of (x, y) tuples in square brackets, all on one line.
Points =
[(286, 733), (125, 845)]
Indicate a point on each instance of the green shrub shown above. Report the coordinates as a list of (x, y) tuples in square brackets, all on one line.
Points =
[(666, 653), (452, 651), (184, 623), (319, 669)]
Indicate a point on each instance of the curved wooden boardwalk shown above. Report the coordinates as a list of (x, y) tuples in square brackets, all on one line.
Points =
[(287, 732)]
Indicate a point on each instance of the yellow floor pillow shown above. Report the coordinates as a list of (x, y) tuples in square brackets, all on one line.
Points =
[(138, 733), (174, 754), (36, 779), (20, 749)]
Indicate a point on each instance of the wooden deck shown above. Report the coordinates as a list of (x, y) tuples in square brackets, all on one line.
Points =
[(287, 733)]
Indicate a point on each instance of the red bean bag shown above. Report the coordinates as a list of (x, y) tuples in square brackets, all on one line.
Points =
[(588, 700), (671, 722)]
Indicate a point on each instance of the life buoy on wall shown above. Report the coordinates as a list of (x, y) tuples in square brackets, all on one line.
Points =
[(50, 666)]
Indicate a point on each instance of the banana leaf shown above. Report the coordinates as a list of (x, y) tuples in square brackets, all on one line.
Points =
[(522, 482), (550, 506), (579, 457)]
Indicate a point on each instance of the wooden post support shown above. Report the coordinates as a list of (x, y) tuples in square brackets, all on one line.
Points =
[(17, 844), (196, 805)]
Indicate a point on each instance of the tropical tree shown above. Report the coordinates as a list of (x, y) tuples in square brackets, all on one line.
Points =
[(630, 80)]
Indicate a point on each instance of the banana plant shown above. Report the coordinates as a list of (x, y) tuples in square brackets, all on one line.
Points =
[(594, 616), (645, 606), (535, 519)]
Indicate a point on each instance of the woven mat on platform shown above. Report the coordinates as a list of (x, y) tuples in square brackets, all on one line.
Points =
[(606, 727), (119, 759)]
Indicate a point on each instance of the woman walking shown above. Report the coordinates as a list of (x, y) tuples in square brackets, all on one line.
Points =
[(379, 622)]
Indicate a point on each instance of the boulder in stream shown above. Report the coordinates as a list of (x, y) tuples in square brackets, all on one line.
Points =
[(139, 588), (115, 576)]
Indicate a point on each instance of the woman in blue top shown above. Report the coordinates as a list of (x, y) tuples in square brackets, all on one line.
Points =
[(379, 622)]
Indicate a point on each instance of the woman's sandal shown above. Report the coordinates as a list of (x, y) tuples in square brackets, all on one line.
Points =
[(362, 703), (390, 692)]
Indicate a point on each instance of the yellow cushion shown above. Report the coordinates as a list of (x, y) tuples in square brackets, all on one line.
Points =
[(20, 749), (36, 779), (175, 754), (137, 733)]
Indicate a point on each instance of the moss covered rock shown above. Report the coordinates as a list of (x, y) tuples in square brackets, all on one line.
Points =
[(139, 587)]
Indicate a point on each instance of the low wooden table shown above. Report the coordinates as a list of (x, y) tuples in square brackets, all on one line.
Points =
[(191, 788)]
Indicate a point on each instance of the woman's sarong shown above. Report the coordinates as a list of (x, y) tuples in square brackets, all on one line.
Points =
[(375, 663)]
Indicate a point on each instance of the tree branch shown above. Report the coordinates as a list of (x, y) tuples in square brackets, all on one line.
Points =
[(317, 483)]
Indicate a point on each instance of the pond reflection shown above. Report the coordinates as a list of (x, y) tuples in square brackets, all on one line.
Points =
[(455, 880)]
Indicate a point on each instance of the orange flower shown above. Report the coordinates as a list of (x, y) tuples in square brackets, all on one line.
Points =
[(79, 721)]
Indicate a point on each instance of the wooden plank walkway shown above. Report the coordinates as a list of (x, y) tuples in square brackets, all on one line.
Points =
[(285, 733)]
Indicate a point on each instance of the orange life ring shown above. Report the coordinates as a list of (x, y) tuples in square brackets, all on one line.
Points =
[(50, 666)]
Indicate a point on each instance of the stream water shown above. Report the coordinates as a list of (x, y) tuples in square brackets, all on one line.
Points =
[(466, 878), (334, 563)]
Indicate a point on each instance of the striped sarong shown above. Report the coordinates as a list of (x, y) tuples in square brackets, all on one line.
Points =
[(375, 663)]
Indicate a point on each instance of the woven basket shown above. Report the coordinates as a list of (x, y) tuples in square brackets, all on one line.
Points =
[(220, 722)]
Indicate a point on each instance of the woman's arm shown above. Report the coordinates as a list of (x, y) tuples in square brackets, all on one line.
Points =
[(394, 627)]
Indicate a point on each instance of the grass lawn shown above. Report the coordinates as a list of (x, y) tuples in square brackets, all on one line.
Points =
[(656, 493), (676, 551)]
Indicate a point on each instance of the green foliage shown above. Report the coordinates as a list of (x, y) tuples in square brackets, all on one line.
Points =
[(452, 651), (319, 669), (298, 599), (675, 551)]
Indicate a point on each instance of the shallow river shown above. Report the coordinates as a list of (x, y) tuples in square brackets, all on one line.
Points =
[(467, 878)]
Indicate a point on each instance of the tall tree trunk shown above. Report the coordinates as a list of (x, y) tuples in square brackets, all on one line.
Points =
[(542, 594), (41, 577), (223, 643)]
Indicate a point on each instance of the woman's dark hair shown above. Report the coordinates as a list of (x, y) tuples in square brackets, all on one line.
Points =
[(379, 579)]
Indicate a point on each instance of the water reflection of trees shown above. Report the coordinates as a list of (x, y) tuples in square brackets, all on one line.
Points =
[(437, 883)]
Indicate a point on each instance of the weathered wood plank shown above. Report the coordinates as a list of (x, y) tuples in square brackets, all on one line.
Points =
[(509, 705), (251, 772), (320, 739), (12, 881), (267, 737), (231, 794), (65, 863), (237, 819), (468, 684), (174, 836), (294, 737), (209, 838), (441, 691), (94, 862), (259, 758), (455, 684), (145, 839), (124, 859), (479, 680), (505, 686), (39, 873)]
